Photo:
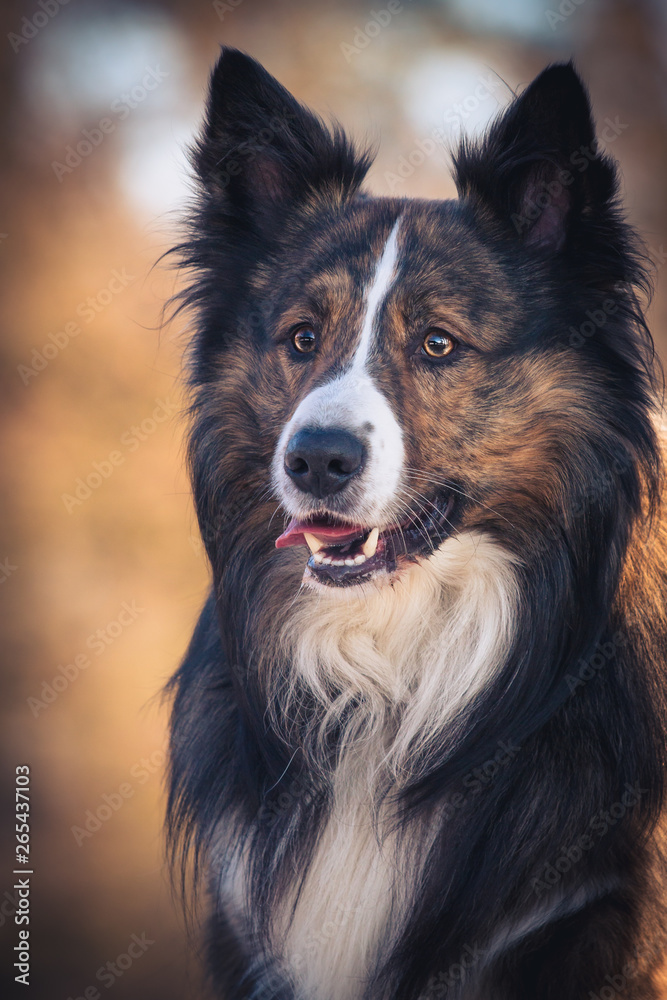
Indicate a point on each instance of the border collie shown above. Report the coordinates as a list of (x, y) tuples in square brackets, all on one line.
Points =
[(418, 738)]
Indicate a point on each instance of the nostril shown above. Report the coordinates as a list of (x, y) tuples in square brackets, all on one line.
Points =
[(296, 464), (337, 466)]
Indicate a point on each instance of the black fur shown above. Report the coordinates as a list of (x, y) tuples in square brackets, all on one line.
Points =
[(592, 579)]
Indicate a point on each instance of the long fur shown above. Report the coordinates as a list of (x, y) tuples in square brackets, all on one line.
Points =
[(450, 784)]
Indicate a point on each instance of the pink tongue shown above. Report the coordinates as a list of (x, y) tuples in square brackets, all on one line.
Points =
[(293, 535)]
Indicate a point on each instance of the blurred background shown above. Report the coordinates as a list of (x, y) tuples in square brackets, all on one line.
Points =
[(101, 570)]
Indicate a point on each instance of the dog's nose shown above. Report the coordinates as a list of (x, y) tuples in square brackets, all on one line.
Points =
[(322, 462)]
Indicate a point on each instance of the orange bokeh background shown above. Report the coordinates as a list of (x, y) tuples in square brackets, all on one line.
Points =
[(91, 381)]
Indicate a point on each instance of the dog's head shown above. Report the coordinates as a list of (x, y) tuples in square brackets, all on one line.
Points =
[(394, 371)]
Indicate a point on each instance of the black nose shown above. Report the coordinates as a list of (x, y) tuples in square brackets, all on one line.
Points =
[(322, 462)]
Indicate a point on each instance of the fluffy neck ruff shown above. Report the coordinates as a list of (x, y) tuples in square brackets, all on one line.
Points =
[(394, 666), (385, 674)]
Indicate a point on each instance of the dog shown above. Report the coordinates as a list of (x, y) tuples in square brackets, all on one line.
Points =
[(418, 738)]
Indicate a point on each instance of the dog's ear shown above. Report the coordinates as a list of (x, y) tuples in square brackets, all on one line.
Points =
[(261, 151), (538, 168)]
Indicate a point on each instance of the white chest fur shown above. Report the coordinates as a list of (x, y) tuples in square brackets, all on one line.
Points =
[(355, 897), (411, 656)]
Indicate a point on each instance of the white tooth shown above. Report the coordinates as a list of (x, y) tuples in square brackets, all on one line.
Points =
[(371, 543), (338, 562), (359, 559), (313, 543), (326, 560), (317, 557), (350, 562)]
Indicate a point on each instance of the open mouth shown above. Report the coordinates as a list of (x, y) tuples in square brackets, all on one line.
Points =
[(343, 553)]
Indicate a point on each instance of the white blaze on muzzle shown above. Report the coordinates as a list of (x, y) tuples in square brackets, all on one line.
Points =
[(352, 402)]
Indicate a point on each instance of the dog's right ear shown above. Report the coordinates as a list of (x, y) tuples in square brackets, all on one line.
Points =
[(261, 152)]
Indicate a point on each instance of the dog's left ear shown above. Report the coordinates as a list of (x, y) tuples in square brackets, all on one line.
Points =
[(538, 169), (261, 153)]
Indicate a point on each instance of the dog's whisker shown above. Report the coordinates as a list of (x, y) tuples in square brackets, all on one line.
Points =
[(455, 489), (413, 499)]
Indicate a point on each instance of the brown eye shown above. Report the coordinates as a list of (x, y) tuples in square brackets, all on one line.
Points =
[(438, 344), (304, 340)]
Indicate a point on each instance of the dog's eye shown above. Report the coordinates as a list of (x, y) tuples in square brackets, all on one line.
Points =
[(304, 340), (438, 344)]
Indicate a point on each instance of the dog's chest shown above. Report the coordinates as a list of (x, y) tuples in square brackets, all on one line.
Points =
[(354, 901), (413, 657), (328, 938)]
